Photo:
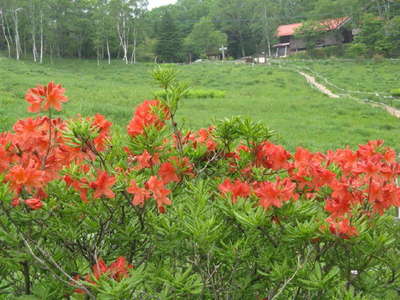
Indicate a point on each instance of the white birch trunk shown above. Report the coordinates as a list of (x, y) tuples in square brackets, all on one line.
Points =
[(134, 43), (3, 26), (134, 50), (34, 49), (126, 43), (10, 37), (133, 56), (18, 49), (41, 37), (122, 34), (108, 53)]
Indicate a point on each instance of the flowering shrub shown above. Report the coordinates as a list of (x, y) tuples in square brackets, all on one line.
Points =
[(222, 212)]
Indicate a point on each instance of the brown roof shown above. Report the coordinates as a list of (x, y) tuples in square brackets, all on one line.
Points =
[(330, 24)]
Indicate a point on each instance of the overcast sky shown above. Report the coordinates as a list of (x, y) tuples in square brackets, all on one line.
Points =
[(156, 3)]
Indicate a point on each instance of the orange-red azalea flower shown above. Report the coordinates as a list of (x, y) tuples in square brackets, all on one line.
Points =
[(34, 203), (159, 192), (102, 186), (140, 194), (45, 97), (167, 172)]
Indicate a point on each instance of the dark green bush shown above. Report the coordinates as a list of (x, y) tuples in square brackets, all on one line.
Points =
[(395, 92), (202, 94)]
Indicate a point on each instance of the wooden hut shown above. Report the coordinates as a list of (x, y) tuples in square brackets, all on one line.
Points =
[(335, 34)]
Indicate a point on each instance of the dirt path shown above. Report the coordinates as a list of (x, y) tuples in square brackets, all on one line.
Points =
[(311, 80), (391, 110), (323, 89)]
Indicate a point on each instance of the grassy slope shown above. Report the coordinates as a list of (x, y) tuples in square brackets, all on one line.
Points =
[(363, 76), (367, 75), (281, 99)]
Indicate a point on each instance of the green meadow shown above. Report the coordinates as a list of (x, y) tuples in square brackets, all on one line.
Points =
[(368, 80), (363, 75), (280, 98)]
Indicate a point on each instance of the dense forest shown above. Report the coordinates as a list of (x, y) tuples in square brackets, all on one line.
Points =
[(189, 29)]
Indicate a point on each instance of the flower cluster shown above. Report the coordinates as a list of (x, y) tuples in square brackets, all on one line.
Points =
[(35, 153), (151, 113), (45, 97), (74, 169), (361, 180), (117, 270), (171, 170), (203, 136)]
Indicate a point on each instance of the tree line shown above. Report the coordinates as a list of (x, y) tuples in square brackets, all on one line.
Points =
[(182, 32)]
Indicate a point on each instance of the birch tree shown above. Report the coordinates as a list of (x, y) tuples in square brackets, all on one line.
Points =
[(139, 8), (41, 36), (4, 30), (33, 28), (18, 48), (121, 12)]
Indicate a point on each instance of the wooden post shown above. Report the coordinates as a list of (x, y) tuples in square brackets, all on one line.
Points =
[(223, 49)]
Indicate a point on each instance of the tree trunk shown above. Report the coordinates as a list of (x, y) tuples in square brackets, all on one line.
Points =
[(133, 56), (108, 53), (51, 53), (79, 52), (134, 49), (3, 26), (34, 50), (266, 36), (122, 34), (241, 44), (41, 37), (131, 59), (18, 49), (10, 36), (25, 47)]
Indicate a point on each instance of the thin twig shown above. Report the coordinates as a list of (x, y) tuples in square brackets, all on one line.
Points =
[(299, 266)]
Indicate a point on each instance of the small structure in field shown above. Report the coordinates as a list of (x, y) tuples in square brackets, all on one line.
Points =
[(260, 58), (335, 34), (213, 57)]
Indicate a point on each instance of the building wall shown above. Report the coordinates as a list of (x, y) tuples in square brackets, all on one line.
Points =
[(329, 39), (333, 38), (297, 44)]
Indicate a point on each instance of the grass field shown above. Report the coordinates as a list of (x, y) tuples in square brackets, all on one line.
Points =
[(281, 99), (367, 75), (362, 79)]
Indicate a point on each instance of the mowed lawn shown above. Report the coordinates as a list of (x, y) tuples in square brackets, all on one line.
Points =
[(300, 115)]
